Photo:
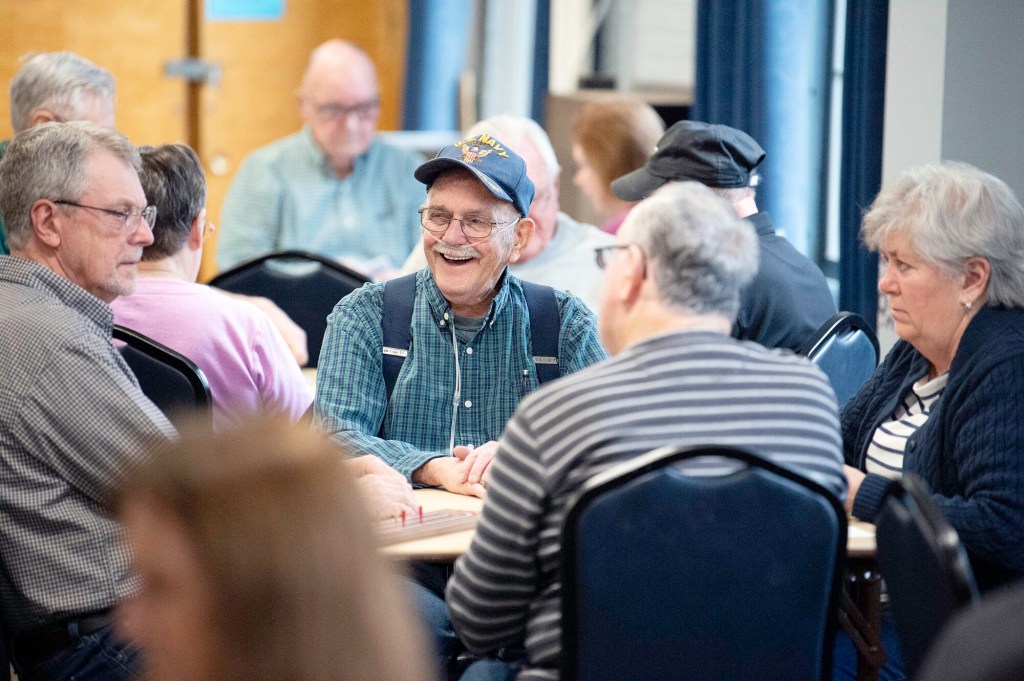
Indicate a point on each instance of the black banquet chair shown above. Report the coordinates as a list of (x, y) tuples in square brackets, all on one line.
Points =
[(305, 285), (982, 642), (924, 565), (672, 575), (846, 349), (5, 656), (170, 380)]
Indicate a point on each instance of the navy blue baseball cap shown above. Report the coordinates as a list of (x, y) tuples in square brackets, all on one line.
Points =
[(714, 155), (499, 168)]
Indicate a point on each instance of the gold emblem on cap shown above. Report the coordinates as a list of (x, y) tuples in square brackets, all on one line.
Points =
[(471, 153)]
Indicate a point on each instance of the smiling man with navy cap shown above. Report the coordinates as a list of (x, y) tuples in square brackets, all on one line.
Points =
[(429, 390), (425, 370), (789, 298)]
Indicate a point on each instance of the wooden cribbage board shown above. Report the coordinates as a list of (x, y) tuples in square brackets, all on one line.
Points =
[(433, 523)]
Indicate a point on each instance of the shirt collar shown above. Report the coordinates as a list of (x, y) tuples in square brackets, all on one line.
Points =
[(673, 338), (32, 274), (317, 156), (439, 306), (762, 223)]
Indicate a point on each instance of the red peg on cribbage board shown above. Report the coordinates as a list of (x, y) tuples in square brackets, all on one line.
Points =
[(427, 524)]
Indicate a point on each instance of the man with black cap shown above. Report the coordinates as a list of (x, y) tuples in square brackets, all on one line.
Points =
[(789, 298), (431, 400)]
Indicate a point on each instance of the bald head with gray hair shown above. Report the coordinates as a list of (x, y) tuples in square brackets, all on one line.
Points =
[(48, 161), (337, 54), (699, 254), (63, 84)]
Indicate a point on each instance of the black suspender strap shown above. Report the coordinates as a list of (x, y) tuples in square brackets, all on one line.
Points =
[(545, 325), (396, 322)]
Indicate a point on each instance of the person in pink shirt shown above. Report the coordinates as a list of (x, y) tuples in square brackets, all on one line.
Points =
[(245, 358), (611, 137)]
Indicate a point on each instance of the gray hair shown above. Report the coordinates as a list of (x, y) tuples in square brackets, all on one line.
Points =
[(173, 179), (734, 194), (951, 212), (507, 237), (518, 131), (58, 82), (48, 161), (699, 253)]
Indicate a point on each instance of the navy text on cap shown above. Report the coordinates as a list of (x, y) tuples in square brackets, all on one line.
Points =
[(499, 168)]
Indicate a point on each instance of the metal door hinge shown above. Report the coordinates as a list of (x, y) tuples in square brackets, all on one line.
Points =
[(193, 70)]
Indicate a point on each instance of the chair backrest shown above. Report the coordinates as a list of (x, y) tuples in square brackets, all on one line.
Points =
[(982, 642), (671, 575), (924, 565), (172, 381), (846, 349), (305, 285), (5, 656)]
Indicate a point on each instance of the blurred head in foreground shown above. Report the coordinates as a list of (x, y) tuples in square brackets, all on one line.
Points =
[(257, 561)]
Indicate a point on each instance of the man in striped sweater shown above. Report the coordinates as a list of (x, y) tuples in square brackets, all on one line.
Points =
[(671, 293)]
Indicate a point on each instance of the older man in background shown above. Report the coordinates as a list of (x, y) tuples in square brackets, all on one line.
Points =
[(671, 292), (58, 86), (330, 188), (560, 253)]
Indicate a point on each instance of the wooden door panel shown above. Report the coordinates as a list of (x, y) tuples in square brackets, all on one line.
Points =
[(131, 39)]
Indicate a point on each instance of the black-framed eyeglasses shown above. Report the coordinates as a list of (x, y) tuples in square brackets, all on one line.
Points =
[(601, 251), (603, 259), (331, 111), (475, 227), (129, 218)]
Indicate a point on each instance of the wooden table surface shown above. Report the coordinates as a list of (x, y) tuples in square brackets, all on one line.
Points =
[(443, 547), (860, 541)]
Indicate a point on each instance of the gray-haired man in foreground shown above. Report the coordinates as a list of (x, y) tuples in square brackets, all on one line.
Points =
[(672, 288)]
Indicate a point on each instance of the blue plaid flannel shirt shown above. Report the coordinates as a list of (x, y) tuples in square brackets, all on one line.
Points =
[(351, 403)]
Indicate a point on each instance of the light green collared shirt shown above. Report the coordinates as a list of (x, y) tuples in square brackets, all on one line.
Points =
[(285, 196)]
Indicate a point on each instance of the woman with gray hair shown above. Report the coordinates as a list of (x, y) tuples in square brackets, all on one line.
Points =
[(946, 404)]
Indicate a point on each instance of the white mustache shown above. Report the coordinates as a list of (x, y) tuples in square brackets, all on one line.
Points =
[(467, 251)]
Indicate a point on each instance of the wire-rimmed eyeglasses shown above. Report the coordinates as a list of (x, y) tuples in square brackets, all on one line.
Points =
[(475, 227), (129, 218)]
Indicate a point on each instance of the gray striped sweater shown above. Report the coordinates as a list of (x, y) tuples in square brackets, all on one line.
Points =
[(683, 388)]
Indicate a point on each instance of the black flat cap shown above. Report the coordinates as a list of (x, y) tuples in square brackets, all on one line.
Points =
[(714, 155)]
